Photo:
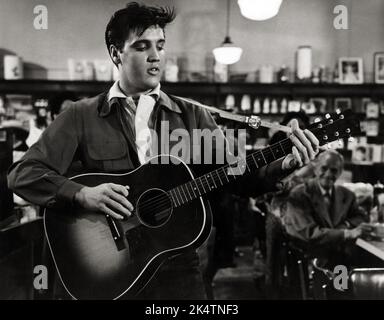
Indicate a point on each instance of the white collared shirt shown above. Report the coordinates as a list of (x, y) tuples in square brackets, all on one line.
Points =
[(141, 115)]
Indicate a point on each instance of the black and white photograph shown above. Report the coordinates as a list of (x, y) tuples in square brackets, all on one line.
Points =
[(190, 156), (351, 70)]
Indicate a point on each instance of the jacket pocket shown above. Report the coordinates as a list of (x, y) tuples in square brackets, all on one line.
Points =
[(110, 155)]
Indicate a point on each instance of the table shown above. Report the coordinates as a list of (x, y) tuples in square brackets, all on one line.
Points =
[(374, 247)]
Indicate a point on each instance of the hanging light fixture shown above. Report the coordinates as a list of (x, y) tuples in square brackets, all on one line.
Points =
[(227, 53), (259, 9)]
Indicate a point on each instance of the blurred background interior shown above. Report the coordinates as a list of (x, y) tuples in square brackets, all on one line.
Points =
[(292, 66)]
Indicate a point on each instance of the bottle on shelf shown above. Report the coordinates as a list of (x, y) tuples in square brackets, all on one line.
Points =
[(2, 110), (284, 106), (323, 74), (336, 78), (316, 75), (245, 104), (266, 106), (274, 108), (256, 106), (230, 101)]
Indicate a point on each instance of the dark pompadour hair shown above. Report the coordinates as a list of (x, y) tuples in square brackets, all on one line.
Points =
[(135, 18)]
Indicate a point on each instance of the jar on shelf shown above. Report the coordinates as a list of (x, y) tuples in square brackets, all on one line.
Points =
[(304, 63), (171, 70)]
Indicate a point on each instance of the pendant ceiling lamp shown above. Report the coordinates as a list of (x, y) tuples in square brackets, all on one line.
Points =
[(259, 9), (227, 53)]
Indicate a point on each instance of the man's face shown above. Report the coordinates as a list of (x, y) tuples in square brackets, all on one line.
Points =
[(328, 171), (142, 61)]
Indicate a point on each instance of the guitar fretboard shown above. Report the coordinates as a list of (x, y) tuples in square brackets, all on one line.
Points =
[(229, 173)]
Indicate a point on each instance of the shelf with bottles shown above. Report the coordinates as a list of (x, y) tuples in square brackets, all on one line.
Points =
[(365, 106), (290, 90)]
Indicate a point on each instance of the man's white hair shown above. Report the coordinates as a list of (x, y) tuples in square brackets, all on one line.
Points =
[(331, 153)]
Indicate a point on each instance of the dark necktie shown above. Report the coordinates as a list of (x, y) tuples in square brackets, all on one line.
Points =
[(328, 201)]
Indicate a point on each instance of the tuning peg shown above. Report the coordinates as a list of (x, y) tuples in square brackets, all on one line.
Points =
[(325, 137), (319, 125), (327, 116), (341, 117), (337, 134), (317, 120), (330, 121), (338, 111), (348, 131)]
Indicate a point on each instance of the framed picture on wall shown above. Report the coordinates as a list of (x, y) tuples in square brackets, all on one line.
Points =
[(379, 67), (320, 104), (343, 104), (351, 70)]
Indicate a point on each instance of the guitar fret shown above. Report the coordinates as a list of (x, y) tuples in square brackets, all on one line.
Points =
[(213, 180), (282, 148), (181, 197), (194, 194), (178, 202), (260, 161), (186, 187), (197, 187), (275, 152), (183, 192), (269, 155), (202, 185), (246, 163), (225, 174), (209, 187), (262, 153), (219, 177), (253, 158)]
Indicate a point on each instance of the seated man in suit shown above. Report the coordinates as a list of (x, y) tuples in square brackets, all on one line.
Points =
[(324, 217)]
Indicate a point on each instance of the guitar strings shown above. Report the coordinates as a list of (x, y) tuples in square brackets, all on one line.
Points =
[(153, 202), (206, 184)]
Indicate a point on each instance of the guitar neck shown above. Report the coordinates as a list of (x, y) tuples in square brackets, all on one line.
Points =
[(229, 173), (334, 127)]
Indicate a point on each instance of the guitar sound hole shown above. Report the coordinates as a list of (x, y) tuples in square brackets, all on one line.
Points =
[(154, 208)]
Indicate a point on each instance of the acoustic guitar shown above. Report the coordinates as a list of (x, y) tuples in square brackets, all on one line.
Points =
[(98, 257)]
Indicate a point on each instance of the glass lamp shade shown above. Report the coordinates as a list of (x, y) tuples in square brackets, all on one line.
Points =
[(259, 9), (227, 53)]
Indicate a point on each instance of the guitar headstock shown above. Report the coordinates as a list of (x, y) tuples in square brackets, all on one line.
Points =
[(336, 126)]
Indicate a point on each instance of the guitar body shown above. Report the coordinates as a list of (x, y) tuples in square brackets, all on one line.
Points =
[(98, 257)]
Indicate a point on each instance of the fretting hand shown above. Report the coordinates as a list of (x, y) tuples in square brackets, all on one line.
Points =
[(305, 147)]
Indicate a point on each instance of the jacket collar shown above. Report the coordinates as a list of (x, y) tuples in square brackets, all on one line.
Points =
[(116, 92), (107, 105)]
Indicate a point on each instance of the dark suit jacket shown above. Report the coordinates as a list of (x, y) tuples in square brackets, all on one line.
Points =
[(308, 220)]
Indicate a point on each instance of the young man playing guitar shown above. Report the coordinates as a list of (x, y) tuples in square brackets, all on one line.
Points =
[(102, 132)]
